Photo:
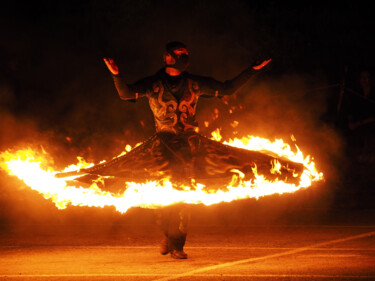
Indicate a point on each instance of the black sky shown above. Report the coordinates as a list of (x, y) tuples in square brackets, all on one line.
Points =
[(51, 51)]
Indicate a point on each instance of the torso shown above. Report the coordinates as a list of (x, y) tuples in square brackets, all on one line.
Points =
[(173, 104)]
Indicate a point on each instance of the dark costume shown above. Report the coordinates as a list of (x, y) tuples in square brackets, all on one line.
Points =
[(361, 114), (177, 151)]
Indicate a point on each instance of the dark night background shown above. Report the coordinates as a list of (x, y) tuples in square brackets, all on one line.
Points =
[(54, 84)]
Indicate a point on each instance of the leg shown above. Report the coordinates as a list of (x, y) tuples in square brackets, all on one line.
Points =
[(162, 220), (173, 221), (180, 218)]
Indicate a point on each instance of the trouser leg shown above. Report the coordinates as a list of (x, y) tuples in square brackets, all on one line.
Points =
[(173, 222)]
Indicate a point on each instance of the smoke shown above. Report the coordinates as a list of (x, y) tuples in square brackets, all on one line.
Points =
[(57, 93), (279, 107)]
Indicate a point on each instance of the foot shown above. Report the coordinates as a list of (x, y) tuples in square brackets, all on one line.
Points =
[(179, 254), (164, 249)]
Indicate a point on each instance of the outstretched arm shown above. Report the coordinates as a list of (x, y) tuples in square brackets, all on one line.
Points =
[(125, 91), (212, 87)]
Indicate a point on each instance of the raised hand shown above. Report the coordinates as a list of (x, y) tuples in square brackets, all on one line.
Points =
[(112, 66), (260, 65)]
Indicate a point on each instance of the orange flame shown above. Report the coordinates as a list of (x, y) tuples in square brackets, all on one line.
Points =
[(29, 166)]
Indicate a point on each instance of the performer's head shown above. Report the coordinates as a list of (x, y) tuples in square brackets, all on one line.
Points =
[(176, 56)]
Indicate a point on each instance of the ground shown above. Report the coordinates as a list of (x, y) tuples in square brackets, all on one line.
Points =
[(246, 240)]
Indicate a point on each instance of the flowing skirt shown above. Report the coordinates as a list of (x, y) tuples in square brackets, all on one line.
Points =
[(188, 156)]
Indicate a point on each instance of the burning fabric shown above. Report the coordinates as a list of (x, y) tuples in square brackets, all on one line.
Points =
[(34, 169), (190, 156)]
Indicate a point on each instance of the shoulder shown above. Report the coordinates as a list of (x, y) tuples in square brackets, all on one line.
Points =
[(193, 76), (149, 80), (199, 78)]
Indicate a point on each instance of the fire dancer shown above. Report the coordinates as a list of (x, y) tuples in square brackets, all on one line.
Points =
[(173, 94)]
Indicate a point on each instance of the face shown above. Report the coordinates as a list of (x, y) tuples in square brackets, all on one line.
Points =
[(178, 52)]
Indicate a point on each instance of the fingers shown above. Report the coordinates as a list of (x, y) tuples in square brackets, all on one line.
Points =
[(262, 64), (110, 63), (267, 62)]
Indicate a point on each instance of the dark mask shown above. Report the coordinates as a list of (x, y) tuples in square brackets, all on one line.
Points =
[(182, 62)]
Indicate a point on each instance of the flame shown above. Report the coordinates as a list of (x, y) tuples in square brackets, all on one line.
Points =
[(215, 135), (34, 170), (276, 166), (281, 149), (82, 164)]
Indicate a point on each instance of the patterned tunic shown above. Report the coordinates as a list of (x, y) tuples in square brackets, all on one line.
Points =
[(173, 100)]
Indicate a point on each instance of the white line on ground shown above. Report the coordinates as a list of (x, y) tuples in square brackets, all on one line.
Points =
[(188, 248), (371, 277), (290, 252)]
